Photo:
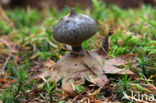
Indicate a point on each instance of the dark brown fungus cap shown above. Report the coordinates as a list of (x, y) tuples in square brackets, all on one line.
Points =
[(74, 28)]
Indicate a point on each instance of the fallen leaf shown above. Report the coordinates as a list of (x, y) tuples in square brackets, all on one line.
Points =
[(111, 66), (110, 69)]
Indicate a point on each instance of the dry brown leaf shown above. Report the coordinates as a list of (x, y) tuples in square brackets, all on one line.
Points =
[(115, 61), (111, 66), (97, 91), (110, 69)]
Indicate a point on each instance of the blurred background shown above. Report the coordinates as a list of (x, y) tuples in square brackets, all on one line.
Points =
[(60, 4)]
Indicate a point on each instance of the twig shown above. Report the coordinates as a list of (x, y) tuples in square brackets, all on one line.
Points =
[(6, 43), (4, 15), (78, 96), (24, 93), (45, 100), (6, 62), (58, 57), (133, 49)]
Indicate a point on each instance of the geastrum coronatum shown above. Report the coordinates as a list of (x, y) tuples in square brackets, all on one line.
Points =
[(75, 69)]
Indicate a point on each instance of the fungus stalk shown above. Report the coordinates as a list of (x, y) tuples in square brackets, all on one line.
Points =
[(77, 51)]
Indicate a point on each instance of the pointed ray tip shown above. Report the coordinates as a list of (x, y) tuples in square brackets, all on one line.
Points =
[(72, 12)]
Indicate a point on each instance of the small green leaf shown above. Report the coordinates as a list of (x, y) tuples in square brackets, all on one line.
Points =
[(80, 89)]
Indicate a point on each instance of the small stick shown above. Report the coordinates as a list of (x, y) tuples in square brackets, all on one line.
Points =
[(58, 57), (5, 42), (4, 15), (6, 62), (78, 96)]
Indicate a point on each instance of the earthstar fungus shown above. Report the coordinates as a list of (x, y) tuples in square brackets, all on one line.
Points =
[(75, 69)]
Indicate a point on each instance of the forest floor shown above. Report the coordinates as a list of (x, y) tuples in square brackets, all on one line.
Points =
[(27, 46)]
